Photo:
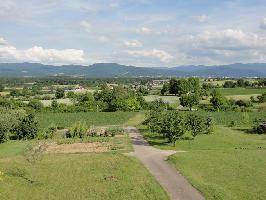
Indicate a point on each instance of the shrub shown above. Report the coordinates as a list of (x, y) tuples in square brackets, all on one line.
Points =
[(27, 128), (48, 133), (35, 104), (259, 126), (78, 130), (114, 131)]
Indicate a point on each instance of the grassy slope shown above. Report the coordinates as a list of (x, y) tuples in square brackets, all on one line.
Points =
[(74, 176), (226, 165), (79, 176), (91, 118)]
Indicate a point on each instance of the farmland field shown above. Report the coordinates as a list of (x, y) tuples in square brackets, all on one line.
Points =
[(229, 164), (91, 118)]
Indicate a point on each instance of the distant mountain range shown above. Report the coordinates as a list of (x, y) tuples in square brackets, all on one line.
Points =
[(101, 70)]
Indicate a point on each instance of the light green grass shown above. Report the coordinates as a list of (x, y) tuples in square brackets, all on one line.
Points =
[(229, 164), (166, 99), (241, 91), (74, 176), (91, 118)]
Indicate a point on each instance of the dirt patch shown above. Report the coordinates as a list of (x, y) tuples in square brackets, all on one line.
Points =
[(79, 147)]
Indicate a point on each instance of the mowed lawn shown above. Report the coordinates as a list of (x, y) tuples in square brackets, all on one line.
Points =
[(90, 176), (91, 118), (228, 164)]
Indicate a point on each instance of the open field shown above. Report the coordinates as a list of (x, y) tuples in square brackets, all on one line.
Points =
[(241, 91), (75, 176), (167, 99), (229, 164), (91, 118)]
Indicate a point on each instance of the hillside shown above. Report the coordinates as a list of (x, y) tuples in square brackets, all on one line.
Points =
[(101, 70)]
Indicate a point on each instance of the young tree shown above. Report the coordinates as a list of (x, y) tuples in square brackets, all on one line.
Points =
[(27, 128), (189, 100), (60, 93), (173, 86), (2, 88), (164, 89), (218, 101), (35, 104)]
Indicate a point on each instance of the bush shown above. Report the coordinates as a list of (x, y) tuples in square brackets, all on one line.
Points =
[(259, 126), (27, 128), (48, 133), (78, 130), (115, 131), (35, 104)]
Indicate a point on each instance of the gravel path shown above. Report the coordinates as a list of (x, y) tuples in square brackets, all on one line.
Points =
[(155, 161)]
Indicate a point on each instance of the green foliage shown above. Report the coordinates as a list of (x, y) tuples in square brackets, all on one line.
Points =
[(189, 100), (9, 120), (27, 128), (48, 133), (218, 101), (173, 125), (35, 104), (262, 98), (77, 130), (2, 88), (165, 88), (59, 93), (115, 131)]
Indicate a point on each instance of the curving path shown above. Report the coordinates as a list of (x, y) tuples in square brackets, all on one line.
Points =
[(155, 160)]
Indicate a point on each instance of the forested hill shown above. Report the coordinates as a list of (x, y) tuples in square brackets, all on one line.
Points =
[(100, 70)]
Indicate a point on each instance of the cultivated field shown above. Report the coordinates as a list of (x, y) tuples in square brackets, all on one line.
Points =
[(91, 118)]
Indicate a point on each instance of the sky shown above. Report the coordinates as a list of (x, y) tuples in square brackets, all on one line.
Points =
[(144, 33)]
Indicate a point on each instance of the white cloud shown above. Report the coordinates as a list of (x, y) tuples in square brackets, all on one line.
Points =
[(132, 43), (229, 40), (263, 24), (144, 30), (86, 26), (41, 55), (103, 38), (201, 18), (3, 41), (163, 56)]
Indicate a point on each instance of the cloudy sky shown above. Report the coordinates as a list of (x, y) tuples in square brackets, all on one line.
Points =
[(154, 33)]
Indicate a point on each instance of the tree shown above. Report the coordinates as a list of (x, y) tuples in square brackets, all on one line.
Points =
[(2, 88), (60, 93), (189, 100), (35, 104), (14, 93), (54, 104), (218, 101), (229, 84), (262, 98), (173, 86), (196, 124), (27, 128), (164, 89)]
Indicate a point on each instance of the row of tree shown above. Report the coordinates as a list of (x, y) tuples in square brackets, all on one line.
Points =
[(173, 124)]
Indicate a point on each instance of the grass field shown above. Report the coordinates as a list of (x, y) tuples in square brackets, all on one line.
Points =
[(229, 164), (91, 118), (224, 118), (78, 176), (166, 99), (241, 91)]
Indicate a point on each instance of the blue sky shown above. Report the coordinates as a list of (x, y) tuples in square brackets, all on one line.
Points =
[(152, 33)]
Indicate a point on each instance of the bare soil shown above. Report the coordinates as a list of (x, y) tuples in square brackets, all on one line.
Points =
[(94, 147)]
